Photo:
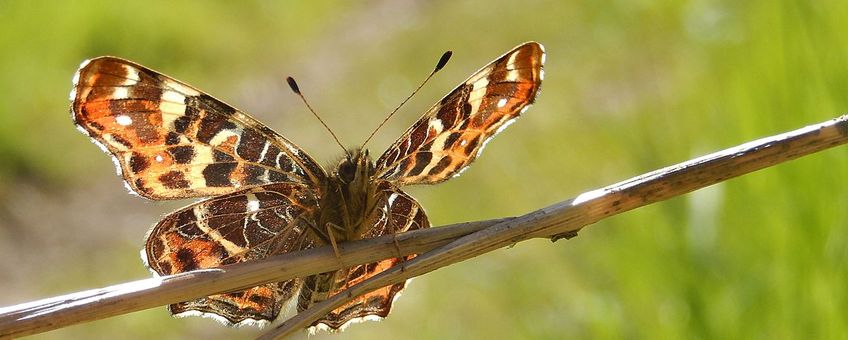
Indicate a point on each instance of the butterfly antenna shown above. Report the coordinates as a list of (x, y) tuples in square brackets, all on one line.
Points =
[(442, 61), (296, 90)]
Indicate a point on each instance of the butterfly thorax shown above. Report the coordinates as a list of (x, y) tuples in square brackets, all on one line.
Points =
[(349, 197)]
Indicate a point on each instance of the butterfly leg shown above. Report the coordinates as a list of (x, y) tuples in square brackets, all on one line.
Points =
[(330, 226), (395, 230), (335, 245)]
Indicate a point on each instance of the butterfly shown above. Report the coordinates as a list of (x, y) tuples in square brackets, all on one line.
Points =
[(264, 195)]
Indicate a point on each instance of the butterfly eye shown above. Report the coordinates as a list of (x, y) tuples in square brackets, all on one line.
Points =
[(347, 171)]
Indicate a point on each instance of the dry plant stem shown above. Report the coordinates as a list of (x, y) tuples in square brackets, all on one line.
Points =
[(566, 218), (49, 314), (457, 242)]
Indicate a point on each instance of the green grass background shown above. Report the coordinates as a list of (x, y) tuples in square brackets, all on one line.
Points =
[(630, 86)]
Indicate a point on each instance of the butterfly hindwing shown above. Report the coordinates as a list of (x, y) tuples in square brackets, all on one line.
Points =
[(451, 134), (171, 140), (242, 226), (396, 212)]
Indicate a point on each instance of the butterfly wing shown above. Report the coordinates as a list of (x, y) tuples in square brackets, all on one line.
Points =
[(170, 140), (397, 212), (242, 226), (451, 134)]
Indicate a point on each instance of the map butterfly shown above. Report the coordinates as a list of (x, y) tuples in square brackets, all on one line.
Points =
[(266, 196)]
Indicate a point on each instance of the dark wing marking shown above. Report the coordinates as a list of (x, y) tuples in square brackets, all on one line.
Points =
[(242, 226), (449, 136), (171, 140), (397, 212)]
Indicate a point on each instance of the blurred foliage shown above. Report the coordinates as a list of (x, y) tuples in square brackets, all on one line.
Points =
[(631, 86)]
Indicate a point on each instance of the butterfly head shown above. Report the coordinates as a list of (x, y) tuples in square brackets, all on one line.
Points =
[(356, 166)]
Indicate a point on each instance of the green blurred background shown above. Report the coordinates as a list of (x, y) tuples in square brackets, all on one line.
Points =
[(631, 86)]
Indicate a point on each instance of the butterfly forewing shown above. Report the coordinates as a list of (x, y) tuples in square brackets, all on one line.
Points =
[(173, 141), (451, 134), (246, 225)]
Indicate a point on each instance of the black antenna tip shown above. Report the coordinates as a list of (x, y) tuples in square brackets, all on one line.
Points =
[(443, 60), (293, 85)]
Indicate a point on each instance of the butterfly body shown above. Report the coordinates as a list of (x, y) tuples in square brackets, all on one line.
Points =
[(265, 195), (350, 197)]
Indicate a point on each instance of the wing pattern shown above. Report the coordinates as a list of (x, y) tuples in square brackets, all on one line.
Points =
[(396, 212), (243, 226), (171, 140), (451, 134)]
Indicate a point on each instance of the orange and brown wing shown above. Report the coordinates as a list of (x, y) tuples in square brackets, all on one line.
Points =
[(171, 141), (397, 212), (449, 136), (242, 226)]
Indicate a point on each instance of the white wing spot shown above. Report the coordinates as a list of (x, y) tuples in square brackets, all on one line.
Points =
[(172, 96), (512, 74), (263, 153), (392, 198), (123, 120), (294, 151), (252, 203), (436, 124), (159, 158), (478, 85), (120, 93), (502, 102), (223, 135), (132, 77)]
